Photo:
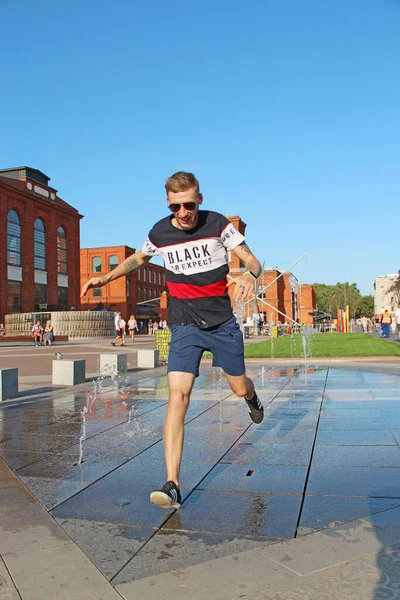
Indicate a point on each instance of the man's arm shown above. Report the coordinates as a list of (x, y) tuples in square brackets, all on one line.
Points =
[(130, 264), (245, 282)]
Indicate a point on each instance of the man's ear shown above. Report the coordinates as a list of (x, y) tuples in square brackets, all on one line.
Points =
[(200, 199)]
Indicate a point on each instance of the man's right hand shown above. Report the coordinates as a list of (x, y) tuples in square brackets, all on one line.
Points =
[(92, 283)]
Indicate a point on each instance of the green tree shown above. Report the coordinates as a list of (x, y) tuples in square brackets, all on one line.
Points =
[(365, 306), (331, 297)]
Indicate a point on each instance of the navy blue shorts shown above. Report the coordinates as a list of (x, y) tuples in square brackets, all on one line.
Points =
[(224, 341)]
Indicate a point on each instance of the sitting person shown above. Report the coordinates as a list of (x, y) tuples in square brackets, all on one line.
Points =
[(48, 334), (37, 333)]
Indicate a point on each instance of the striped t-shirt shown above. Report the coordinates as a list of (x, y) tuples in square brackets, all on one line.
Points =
[(196, 266)]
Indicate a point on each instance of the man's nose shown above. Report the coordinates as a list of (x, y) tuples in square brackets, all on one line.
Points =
[(182, 211)]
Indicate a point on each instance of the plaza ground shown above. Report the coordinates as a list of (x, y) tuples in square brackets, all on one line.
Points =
[(306, 505)]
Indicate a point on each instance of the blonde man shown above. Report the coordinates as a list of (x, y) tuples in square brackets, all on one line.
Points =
[(194, 244)]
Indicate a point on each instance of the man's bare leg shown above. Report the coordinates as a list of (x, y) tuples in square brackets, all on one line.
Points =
[(243, 387), (180, 387)]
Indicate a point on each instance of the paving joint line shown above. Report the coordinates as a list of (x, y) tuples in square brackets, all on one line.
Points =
[(311, 457)]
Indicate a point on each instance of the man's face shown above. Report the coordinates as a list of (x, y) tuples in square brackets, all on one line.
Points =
[(185, 218)]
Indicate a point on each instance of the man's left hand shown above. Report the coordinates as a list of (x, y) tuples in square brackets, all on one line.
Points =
[(244, 287)]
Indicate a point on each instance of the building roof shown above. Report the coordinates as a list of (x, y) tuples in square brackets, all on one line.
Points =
[(29, 172)]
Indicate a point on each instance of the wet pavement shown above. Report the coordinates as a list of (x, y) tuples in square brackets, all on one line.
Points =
[(327, 452)]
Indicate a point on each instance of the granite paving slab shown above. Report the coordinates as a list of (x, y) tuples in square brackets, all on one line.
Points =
[(171, 550), (109, 546), (212, 579), (262, 479), (389, 519), (237, 513), (351, 413), (329, 547), (65, 466), (114, 503), (356, 456), (18, 460), (254, 454), (354, 423), (365, 578), (319, 512), (152, 472), (52, 492), (37, 442), (356, 437), (354, 481), (284, 437), (207, 451)]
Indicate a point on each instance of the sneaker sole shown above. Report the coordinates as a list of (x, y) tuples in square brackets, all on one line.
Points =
[(163, 500)]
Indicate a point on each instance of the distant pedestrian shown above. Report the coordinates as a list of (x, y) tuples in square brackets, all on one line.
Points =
[(122, 325), (150, 327), (386, 320), (37, 333), (132, 325), (48, 336), (364, 324), (117, 325)]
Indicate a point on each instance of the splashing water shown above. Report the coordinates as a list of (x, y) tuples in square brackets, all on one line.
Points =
[(240, 313), (84, 412), (271, 319)]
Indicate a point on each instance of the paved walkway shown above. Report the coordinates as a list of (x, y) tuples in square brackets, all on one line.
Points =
[(307, 505)]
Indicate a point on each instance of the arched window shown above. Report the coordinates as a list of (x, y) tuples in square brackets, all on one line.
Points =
[(39, 244), (61, 251), (13, 239)]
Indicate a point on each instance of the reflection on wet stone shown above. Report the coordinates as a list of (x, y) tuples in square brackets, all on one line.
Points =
[(242, 485)]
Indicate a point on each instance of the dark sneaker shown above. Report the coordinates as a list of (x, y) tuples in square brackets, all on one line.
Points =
[(113, 343), (256, 409), (168, 497)]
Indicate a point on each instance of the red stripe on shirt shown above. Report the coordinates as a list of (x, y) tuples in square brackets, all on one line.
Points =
[(187, 290)]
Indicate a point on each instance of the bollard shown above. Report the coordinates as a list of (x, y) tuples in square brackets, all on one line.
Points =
[(8, 383), (69, 371), (147, 359), (112, 364)]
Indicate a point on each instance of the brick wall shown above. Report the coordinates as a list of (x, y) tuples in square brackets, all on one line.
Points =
[(54, 213), (145, 284)]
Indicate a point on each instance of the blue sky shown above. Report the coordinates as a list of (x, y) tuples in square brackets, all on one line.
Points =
[(287, 111)]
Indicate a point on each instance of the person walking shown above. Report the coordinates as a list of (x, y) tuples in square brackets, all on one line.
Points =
[(386, 320), (122, 325), (132, 325), (364, 324), (117, 325), (194, 245)]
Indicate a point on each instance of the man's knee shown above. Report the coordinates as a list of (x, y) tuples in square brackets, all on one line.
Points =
[(178, 401), (239, 386)]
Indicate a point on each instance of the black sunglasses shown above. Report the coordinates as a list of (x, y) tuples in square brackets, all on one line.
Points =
[(175, 207)]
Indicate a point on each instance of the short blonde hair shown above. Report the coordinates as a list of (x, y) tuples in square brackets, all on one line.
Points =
[(181, 182)]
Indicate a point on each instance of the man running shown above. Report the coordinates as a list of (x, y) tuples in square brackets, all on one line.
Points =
[(194, 245)]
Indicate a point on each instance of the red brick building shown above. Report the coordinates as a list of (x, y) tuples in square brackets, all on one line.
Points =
[(278, 291), (41, 234), (136, 294)]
